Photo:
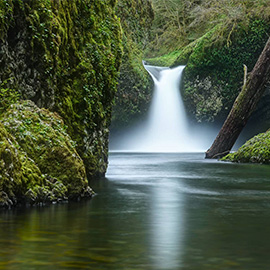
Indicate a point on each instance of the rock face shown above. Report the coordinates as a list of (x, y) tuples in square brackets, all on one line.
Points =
[(135, 84), (65, 55), (39, 162), (214, 73), (256, 150)]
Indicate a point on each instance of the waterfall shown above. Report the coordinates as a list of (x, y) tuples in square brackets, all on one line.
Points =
[(166, 128)]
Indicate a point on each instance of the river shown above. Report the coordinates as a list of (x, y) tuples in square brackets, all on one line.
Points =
[(152, 211)]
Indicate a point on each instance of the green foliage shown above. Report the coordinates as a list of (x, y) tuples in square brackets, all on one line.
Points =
[(6, 16), (136, 18), (256, 150), (178, 23)]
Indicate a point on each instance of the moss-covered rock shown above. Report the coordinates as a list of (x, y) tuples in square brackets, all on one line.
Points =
[(221, 64), (10, 168), (255, 150), (39, 161), (65, 56), (134, 89), (18, 173), (7, 97)]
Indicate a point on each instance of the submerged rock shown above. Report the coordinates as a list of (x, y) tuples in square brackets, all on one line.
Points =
[(255, 150), (38, 159)]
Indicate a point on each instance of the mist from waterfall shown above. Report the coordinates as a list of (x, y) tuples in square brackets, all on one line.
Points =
[(166, 128)]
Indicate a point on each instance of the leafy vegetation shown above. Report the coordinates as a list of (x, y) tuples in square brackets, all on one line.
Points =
[(179, 23)]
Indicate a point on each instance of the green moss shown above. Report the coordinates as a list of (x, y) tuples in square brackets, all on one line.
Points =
[(134, 89), (42, 135), (223, 66), (6, 16), (7, 97), (68, 54), (38, 160), (166, 59), (10, 164), (18, 173), (255, 150)]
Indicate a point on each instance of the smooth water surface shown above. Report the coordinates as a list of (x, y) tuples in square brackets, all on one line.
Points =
[(152, 211)]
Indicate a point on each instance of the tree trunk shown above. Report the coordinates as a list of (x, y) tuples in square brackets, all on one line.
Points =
[(243, 106)]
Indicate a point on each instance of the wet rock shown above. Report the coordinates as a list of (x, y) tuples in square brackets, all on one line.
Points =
[(38, 159)]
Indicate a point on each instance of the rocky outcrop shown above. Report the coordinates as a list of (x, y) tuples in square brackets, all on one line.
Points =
[(39, 162), (255, 150), (215, 70), (135, 85), (65, 56)]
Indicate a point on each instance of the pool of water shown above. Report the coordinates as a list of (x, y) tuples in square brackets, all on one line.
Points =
[(152, 211)]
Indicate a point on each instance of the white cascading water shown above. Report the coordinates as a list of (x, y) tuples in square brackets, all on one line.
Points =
[(166, 128)]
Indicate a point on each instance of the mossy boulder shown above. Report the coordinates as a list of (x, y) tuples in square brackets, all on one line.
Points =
[(18, 173), (255, 150), (65, 56), (15, 169), (39, 161)]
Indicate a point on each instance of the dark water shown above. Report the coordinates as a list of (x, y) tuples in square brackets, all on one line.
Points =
[(153, 211)]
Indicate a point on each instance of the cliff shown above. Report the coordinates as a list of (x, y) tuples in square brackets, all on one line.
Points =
[(65, 56), (135, 84), (59, 63)]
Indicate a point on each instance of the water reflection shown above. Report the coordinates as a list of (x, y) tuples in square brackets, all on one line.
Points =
[(167, 224), (152, 212)]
